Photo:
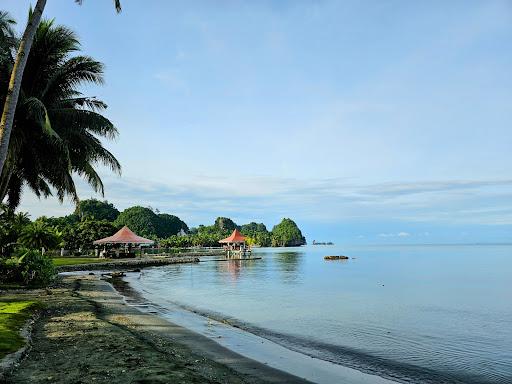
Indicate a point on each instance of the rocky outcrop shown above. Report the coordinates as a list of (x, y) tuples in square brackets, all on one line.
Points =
[(340, 257)]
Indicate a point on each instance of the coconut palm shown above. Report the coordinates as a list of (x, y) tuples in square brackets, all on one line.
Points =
[(57, 130), (16, 76)]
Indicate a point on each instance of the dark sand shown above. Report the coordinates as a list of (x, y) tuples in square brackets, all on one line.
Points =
[(87, 334)]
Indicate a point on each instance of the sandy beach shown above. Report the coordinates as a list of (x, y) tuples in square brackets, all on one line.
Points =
[(87, 334)]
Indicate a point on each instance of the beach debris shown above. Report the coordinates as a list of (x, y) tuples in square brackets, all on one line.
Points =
[(114, 274), (338, 257)]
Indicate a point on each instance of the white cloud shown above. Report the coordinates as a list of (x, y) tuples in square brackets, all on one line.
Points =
[(398, 234), (323, 200)]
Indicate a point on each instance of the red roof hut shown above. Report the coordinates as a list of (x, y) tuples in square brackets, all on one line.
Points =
[(235, 245), (235, 238), (124, 236)]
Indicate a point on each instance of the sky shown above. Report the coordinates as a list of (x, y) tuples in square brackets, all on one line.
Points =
[(364, 121)]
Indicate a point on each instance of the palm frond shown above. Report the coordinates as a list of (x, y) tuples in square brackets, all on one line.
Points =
[(71, 74), (92, 178), (91, 103), (73, 121), (37, 110), (117, 4), (14, 191)]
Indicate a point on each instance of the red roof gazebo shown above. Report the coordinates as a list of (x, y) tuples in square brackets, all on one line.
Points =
[(235, 238), (235, 245), (124, 236)]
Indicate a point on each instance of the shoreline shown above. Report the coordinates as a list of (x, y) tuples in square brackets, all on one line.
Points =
[(89, 333), (242, 341), (128, 263)]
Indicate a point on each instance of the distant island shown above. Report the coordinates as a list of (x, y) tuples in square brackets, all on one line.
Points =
[(94, 219), (322, 243)]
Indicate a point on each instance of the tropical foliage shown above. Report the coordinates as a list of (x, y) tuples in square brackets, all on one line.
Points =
[(96, 209), (28, 267), (148, 223), (57, 130), (76, 234), (7, 40), (7, 119), (287, 234), (11, 225), (49, 132), (224, 224), (39, 235), (209, 236), (257, 234), (80, 236)]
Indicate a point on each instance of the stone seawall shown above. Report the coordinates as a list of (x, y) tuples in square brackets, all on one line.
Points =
[(128, 263)]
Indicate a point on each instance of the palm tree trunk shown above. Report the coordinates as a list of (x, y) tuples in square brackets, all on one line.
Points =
[(5, 177), (15, 82)]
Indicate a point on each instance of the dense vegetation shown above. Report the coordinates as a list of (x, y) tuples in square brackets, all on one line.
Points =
[(56, 135), (146, 222), (287, 234), (76, 233), (95, 209)]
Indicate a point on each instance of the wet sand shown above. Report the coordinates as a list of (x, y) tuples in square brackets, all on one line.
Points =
[(87, 334)]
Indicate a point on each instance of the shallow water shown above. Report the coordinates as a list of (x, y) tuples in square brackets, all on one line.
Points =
[(422, 314)]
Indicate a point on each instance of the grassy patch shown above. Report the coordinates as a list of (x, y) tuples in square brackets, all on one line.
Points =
[(13, 316), (60, 261), (11, 286)]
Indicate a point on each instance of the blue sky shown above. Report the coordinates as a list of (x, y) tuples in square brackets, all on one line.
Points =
[(365, 121)]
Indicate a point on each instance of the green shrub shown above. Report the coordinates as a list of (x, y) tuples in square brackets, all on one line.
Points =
[(28, 267)]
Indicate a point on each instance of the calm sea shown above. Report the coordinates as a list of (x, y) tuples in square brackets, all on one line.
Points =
[(419, 314)]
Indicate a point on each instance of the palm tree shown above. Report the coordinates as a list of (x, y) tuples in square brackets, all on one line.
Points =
[(13, 91), (11, 226), (56, 129), (39, 235)]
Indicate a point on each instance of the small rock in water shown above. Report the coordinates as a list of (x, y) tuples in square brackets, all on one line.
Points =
[(341, 257)]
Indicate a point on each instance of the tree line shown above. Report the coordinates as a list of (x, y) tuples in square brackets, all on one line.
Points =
[(94, 219)]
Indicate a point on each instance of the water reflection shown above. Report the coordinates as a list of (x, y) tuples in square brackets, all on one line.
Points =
[(232, 269), (289, 264)]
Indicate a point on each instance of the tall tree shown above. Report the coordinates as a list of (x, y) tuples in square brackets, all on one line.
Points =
[(142, 220), (13, 91), (96, 209), (170, 225), (57, 130)]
